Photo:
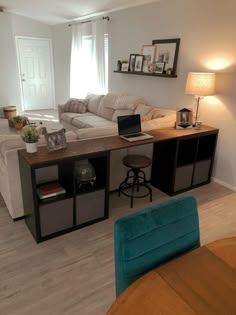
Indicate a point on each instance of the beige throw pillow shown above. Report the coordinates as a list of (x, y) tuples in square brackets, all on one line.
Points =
[(142, 109), (156, 113), (75, 105)]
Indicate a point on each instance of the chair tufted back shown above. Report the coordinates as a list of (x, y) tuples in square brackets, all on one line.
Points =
[(153, 236)]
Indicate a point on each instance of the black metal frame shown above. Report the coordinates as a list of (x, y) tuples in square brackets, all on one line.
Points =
[(170, 41), (138, 178)]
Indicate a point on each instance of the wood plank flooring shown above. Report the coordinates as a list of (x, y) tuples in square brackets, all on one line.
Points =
[(74, 273)]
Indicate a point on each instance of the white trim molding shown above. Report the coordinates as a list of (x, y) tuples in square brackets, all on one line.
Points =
[(220, 182)]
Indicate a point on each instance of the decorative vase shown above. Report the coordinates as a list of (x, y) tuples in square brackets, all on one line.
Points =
[(31, 147), (19, 126), (84, 173)]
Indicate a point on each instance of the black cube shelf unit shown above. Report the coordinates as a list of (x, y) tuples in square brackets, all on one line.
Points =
[(182, 160), (183, 163), (54, 216)]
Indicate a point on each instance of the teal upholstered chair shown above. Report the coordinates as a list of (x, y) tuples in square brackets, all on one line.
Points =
[(153, 236)]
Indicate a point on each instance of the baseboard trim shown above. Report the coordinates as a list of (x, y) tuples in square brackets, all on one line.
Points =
[(220, 182)]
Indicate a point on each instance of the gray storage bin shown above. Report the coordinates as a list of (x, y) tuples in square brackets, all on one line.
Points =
[(183, 177), (90, 206), (201, 173), (56, 216)]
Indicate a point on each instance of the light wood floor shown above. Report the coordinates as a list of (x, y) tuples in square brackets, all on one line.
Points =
[(74, 273)]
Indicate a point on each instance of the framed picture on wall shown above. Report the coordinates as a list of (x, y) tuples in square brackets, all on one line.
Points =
[(167, 51), (132, 62), (138, 67), (159, 67), (148, 51)]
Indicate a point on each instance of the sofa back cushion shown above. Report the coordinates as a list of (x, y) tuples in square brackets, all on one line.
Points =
[(90, 133), (75, 105), (125, 102), (103, 108), (121, 112), (93, 102)]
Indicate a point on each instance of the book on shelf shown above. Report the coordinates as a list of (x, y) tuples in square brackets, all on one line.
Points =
[(50, 190)]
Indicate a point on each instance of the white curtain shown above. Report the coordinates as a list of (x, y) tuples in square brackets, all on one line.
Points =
[(89, 59), (75, 61)]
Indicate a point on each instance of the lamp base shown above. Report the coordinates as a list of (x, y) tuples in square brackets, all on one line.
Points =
[(197, 125)]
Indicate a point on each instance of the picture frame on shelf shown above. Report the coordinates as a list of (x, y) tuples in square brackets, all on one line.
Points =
[(159, 67), (138, 67), (148, 51), (132, 62), (124, 66), (55, 140), (167, 51)]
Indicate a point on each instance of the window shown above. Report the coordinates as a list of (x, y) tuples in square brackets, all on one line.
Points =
[(89, 61)]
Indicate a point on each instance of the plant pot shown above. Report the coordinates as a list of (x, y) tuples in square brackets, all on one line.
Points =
[(19, 126), (31, 147)]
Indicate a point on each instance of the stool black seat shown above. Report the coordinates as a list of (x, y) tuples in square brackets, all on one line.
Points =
[(135, 177)]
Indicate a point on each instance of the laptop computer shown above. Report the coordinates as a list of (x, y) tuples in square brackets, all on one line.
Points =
[(129, 128)]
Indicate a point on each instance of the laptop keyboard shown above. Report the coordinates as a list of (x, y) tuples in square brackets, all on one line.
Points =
[(134, 135)]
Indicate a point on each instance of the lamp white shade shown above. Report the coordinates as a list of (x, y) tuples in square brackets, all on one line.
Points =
[(200, 83)]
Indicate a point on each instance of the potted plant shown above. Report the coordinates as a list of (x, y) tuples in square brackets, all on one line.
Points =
[(30, 135), (18, 122)]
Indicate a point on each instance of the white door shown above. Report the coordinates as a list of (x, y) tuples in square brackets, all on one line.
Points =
[(36, 73)]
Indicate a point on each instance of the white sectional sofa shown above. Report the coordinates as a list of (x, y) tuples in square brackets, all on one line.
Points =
[(97, 120), (99, 116)]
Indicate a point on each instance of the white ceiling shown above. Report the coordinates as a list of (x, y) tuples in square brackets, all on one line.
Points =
[(60, 11)]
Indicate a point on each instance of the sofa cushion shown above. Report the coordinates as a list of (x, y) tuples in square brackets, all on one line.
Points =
[(91, 121), (69, 116), (143, 109), (103, 109), (125, 102), (75, 105), (93, 102), (90, 133), (121, 112)]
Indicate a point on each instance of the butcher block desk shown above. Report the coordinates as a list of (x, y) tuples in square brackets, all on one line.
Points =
[(182, 160), (202, 282)]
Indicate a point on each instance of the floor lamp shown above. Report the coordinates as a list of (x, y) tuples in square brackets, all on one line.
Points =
[(200, 84)]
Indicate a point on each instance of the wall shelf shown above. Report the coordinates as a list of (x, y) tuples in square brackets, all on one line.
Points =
[(149, 74)]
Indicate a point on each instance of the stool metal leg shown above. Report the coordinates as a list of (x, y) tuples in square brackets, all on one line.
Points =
[(134, 179)]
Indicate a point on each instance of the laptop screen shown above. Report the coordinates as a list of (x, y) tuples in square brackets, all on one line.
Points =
[(129, 124)]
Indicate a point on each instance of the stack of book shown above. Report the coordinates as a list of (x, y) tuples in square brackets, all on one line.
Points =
[(50, 190)]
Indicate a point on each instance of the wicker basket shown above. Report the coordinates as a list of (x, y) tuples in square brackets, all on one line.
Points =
[(9, 111)]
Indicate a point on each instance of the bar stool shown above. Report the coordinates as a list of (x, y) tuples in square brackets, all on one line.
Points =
[(135, 177)]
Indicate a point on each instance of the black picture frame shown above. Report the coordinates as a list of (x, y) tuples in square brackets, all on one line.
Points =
[(167, 50), (138, 67), (132, 62)]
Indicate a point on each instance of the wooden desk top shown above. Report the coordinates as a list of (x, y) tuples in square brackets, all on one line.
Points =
[(202, 282), (106, 144)]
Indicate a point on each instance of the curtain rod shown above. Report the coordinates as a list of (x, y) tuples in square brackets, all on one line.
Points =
[(103, 18)]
